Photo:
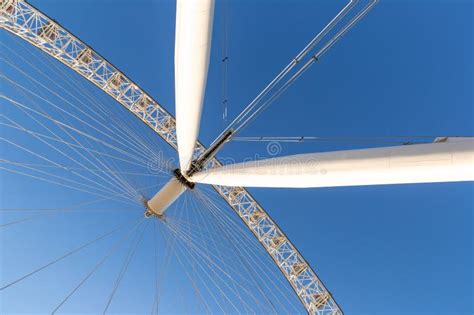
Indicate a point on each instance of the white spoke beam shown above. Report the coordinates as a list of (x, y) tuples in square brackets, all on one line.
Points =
[(191, 58), (449, 161)]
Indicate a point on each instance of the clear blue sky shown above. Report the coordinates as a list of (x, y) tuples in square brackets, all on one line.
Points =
[(405, 70)]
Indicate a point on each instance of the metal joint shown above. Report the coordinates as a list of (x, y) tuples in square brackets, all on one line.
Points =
[(182, 179)]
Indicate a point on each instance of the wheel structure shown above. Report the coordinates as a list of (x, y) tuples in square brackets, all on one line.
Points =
[(28, 23)]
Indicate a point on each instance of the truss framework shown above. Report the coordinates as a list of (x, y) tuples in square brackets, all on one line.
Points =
[(28, 23)]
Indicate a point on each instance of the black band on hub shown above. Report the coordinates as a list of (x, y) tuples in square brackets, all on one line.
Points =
[(183, 180)]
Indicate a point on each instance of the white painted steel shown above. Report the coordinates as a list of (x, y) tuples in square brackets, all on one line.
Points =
[(448, 161), (166, 196), (192, 49)]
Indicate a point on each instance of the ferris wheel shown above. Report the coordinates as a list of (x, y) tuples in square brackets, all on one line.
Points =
[(111, 153)]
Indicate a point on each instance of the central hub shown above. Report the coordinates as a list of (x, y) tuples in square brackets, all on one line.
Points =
[(157, 205), (182, 179)]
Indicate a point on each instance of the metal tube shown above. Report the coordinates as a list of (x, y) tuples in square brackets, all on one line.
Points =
[(165, 197)]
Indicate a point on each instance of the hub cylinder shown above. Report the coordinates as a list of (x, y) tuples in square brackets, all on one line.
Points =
[(166, 196)]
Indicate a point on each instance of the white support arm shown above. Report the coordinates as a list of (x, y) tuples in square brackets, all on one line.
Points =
[(192, 48), (449, 161)]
